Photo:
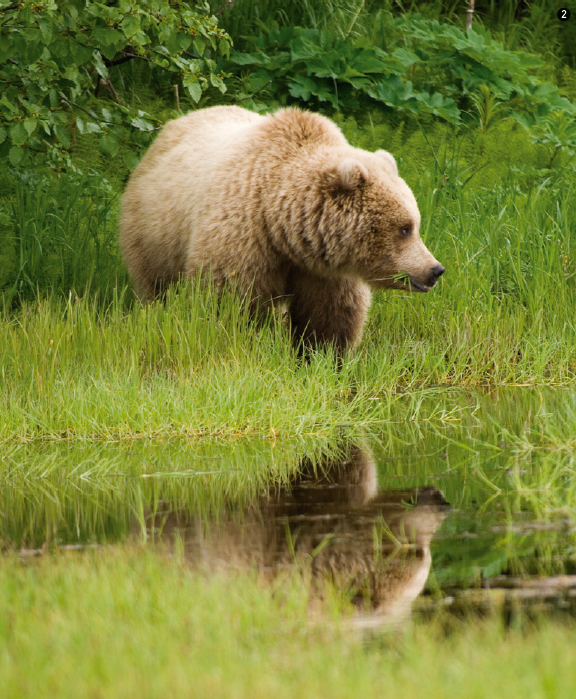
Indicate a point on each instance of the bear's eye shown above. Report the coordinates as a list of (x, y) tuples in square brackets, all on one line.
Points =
[(405, 231)]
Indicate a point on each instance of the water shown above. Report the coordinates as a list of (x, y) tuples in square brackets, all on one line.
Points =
[(463, 502)]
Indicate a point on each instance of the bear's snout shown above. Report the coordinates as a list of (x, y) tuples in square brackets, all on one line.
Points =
[(436, 272), (425, 284)]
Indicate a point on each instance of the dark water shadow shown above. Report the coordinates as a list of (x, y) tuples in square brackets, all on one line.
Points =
[(372, 546)]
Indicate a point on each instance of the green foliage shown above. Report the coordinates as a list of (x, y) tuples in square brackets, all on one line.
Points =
[(458, 157), (488, 107), (58, 58), (399, 67), (315, 66), (342, 17), (558, 133)]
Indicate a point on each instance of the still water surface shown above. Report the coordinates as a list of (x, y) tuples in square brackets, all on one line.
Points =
[(461, 501)]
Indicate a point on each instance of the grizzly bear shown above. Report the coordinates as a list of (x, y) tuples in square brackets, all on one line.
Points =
[(374, 545), (282, 206)]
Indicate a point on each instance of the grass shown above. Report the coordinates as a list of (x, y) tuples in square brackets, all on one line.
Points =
[(71, 370), (58, 234), (532, 27), (131, 623), (101, 366)]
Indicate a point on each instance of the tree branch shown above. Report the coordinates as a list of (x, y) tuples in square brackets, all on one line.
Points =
[(226, 5), (191, 55), (111, 90), (126, 57), (13, 6), (90, 114)]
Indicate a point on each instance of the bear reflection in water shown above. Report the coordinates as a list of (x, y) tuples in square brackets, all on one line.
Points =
[(373, 545)]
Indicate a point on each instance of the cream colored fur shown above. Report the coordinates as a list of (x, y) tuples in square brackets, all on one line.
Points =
[(333, 519), (283, 206)]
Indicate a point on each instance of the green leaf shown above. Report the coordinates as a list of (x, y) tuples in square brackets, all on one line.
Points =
[(173, 42), (81, 54), (131, 25), (16, 155), (301, 87), (3, 134), (10, 107), (63, 135), (18, 134), (108, 145), (393, 91), (406, 57), (30, 125), (184, 41), (130, 159), (246, 59), (260, 79), (34, 49), (199, 45), (140, 38), (303, 48), (108, 40), (99, 65), (323, 68), (7, 47), (326, 94), (45, 25), (93, 127), (224, 47), (141, 124), (217, 81), (192, 85)]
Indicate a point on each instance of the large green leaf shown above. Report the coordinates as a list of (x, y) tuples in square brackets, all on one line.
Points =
[(108, 145), (18, 134), (192, 85), (301, 87)]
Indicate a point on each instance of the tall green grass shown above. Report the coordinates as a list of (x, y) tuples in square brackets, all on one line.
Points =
[(533, 26), (58, 234), (100, 365), (341, 16), (134, 624)]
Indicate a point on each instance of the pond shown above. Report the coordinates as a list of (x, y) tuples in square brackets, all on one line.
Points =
[(462, 503)]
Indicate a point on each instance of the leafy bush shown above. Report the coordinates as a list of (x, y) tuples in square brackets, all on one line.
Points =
[(400, 67), (316, 66), (57, 60)]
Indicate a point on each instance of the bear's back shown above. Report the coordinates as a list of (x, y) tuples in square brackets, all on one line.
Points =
[(203, 130)]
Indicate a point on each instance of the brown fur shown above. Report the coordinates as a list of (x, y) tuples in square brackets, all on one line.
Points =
[(373, 545), (283, 206)]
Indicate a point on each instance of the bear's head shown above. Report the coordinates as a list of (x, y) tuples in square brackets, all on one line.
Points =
[(373, 215)]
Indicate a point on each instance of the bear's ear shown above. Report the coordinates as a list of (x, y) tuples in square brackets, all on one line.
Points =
[(389, 161), (348, 175)]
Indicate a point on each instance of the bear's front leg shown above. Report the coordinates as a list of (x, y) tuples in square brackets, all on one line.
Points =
[(327, 311)]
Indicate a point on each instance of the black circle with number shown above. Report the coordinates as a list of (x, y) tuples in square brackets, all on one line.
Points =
[(563, 14)]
